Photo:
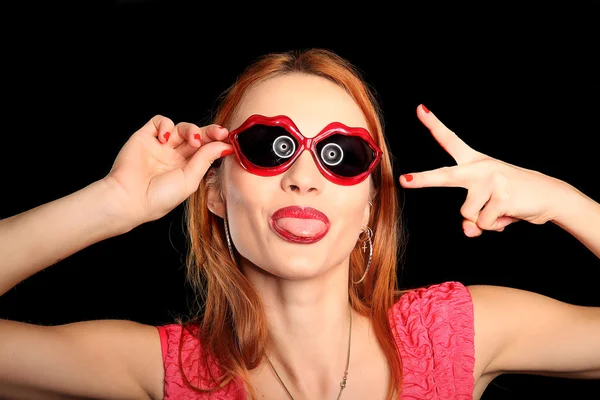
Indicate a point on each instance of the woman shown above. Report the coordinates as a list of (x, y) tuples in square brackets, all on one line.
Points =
[(293, 253)]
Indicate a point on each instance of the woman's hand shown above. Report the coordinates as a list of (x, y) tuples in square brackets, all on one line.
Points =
[(161, 165), (498, 193)]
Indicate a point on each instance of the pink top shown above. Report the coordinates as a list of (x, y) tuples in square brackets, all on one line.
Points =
[(434, 333)]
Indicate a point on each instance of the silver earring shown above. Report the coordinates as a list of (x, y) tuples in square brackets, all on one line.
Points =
[(228, 238), (369, 235)]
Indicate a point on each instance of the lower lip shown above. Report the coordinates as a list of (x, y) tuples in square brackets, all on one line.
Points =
[(298, 239)]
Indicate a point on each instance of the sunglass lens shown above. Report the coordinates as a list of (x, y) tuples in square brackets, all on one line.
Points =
[(344, 155), (267, 146)]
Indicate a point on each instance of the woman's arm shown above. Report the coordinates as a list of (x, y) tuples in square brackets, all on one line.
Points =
[(157, 169), (108, 359), (40, 237), (100, 359), (517, 331)]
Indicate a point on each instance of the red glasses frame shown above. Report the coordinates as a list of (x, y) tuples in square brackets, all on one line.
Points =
[(305, 143)]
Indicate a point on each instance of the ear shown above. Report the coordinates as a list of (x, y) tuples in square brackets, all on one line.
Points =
[(215, 200), (367, 214)]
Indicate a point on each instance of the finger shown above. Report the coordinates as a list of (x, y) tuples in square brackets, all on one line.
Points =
[(471, 229), (456, 176), (211, 133), (477, 197), (201, 161), (158, 126), (198, 137), (493, 210), (455, 146), (504, 221), (190, 146), (186, 133)]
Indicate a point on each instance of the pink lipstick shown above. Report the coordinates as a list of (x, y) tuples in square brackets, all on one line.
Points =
[(300, 224)]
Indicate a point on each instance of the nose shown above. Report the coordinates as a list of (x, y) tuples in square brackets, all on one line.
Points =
[(303, 176)]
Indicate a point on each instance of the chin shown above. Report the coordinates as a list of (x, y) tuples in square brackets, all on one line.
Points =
[(298, 268), (292, 267)]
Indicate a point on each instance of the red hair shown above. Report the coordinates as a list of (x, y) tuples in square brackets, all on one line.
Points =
[(230, 317)]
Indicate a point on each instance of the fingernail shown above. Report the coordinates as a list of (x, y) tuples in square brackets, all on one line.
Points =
[(167, 134), (408, 177), (197, 136), (227, 152), (425, 108)]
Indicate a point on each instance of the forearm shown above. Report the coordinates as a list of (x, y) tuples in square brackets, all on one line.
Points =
[(580, 216), (44, 235)]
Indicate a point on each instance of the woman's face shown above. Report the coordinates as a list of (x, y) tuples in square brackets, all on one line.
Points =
[(284, 245)]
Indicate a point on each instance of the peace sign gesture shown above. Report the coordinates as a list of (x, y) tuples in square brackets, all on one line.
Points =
[(498, 193)]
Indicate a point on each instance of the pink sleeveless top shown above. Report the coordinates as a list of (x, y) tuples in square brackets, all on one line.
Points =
[(434, 334)]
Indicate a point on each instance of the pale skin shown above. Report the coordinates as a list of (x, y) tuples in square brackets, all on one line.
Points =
[(304, 292)]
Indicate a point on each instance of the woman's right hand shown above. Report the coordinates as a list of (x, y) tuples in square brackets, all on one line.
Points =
[(161, 165)]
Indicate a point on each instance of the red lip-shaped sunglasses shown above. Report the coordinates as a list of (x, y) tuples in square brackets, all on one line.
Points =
[(268, 146)]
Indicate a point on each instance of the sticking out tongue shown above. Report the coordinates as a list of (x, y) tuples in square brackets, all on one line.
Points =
[(301, 227)]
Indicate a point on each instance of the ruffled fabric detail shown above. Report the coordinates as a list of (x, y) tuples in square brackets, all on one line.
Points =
[(434, 332), (195, 367)]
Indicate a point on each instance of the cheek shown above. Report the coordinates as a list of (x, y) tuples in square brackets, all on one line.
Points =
[(247, 198), (350, 211), (352, 200), (244, 190)]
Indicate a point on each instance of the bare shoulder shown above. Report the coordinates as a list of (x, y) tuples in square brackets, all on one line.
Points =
[(98, 359)]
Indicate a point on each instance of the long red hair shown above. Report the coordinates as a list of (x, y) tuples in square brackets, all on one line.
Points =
[(231, 321)]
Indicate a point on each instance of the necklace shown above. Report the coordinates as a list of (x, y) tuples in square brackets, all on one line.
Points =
[(344, 379)]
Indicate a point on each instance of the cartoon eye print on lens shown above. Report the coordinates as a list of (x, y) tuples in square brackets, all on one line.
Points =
[(332, 154), (284, 147)]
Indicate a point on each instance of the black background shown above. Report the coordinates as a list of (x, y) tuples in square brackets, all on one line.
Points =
[(519, 83)]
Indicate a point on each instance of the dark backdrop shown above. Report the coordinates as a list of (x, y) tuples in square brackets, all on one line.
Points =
[(519, 83)]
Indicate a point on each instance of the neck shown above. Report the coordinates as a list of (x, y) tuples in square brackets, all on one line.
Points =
[(309, 323)]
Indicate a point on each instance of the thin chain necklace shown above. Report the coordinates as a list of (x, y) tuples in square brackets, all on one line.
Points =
[(344, 379)]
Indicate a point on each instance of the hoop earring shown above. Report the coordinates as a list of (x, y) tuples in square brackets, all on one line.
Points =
[(367, 239), (228, 238)]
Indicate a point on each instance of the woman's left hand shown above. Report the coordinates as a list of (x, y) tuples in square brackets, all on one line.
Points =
[(498, 193)]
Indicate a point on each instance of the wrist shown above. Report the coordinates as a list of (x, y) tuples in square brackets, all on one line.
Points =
[(113, 206), (569, 203)]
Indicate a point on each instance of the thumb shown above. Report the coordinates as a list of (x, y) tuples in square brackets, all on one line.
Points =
[(202, 160)]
